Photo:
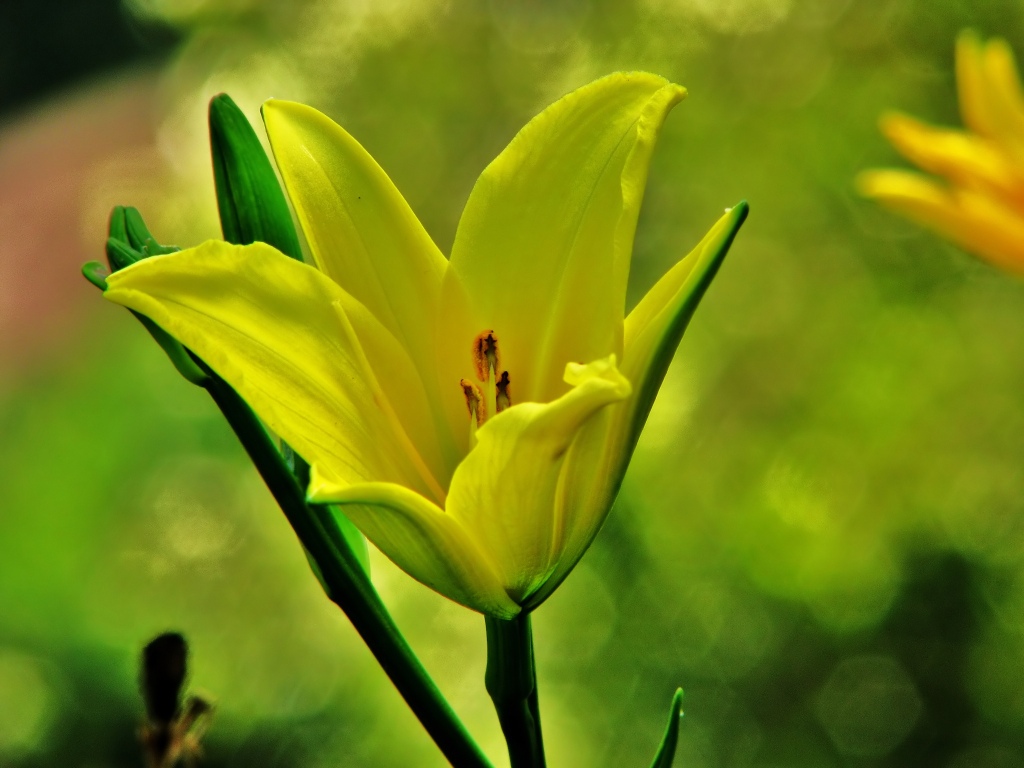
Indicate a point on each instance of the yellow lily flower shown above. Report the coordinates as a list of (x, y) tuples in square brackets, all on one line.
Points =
[(980, 207), (470, 414)]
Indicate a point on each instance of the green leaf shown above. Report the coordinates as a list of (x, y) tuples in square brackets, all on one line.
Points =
[(252, 206), (667, 750)]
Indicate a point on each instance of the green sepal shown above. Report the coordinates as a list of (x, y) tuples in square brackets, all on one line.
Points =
[(136, 229), (118, 227), (667, 750), (249, 197), (129, 242), (94, 273), (139, 237), (119, 255)]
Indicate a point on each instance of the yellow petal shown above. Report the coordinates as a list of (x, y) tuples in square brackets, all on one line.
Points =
[(965, 159), (505, 493), (401, 383), (977, 222), (360, 229), (989, 90), (598, 459), (275, 330), (1006, 102), (421, 539), (541, 255), (971, 87)]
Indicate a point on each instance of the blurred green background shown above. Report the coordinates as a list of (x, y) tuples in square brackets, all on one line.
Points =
[(821, 537)]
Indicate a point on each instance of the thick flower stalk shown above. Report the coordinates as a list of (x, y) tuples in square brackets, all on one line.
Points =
[(979, 203), (474, 415)]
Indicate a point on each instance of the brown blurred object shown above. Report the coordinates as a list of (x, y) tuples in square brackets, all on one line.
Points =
[(50, 159), (174, 728)]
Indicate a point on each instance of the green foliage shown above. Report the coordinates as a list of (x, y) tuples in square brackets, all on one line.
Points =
[(667, 749)]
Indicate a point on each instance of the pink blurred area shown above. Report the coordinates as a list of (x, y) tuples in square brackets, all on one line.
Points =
[(63, 165)]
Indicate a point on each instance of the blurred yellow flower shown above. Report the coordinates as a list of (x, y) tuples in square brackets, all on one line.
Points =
[(471, 415), (980, 204)]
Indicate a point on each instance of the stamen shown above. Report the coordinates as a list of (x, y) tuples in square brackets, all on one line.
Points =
[(474, 402), (476, 406), (503, 399), (485, 354)]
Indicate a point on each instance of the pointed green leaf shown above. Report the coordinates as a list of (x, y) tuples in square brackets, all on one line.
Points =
[(249, 197), (667, 749)]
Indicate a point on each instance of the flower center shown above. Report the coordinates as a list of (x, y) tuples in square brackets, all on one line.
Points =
[(493, 395)]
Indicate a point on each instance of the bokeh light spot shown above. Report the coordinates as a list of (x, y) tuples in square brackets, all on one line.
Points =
[(26, 704), (868, 706)]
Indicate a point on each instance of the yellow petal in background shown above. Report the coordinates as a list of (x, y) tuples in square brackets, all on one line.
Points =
[(420, 539), (542, 249), (275, 330), (977, 222), (964, 158), (971, 88), (989, 89), (1006, 102)]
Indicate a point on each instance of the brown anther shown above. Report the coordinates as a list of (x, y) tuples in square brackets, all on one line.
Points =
[(503, 398), (485, 354), (474, 401)]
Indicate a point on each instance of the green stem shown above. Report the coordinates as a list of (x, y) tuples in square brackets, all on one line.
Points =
[(348, 585), (511, 680)]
